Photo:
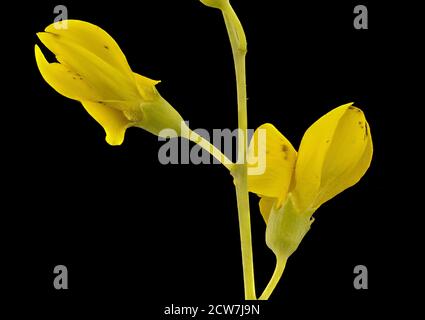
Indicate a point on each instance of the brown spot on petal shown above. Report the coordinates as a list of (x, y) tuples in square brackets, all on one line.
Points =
[(354, 108), (106, 47), (285, 150)]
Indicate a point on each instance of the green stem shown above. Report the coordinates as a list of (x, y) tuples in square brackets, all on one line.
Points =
[(240, 172), (277, 274), (193, 136), (245, 231)]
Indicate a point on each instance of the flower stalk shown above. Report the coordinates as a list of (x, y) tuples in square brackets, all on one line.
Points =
[(240, 173), (211, 149), (277, 274)]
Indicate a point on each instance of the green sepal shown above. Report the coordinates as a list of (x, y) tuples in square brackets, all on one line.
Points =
[(286, 227)]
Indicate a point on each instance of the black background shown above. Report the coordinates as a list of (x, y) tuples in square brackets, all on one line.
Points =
[(137, 236)]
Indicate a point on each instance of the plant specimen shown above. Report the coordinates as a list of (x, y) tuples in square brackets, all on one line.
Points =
[(334, 154)]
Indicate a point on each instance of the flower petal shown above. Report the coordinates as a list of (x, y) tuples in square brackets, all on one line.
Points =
[(112, 120), (333, 185), (280, 157), (103, 77), (311, 155), (329, 151), (64, 80), (95, 40), (266, 205)]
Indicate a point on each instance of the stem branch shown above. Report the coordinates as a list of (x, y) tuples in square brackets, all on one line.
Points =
[(205, 144), (277, 274)]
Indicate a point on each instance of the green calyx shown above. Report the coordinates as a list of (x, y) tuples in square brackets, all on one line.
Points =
[(286, 227)]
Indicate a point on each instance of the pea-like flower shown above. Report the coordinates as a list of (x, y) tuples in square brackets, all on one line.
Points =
[(92, 69), (334, 154)]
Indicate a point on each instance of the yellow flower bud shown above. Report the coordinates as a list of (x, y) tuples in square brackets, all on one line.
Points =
[(92, 69)]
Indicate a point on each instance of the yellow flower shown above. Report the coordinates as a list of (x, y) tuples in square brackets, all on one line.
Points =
[(334, 154), (92, 69)]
